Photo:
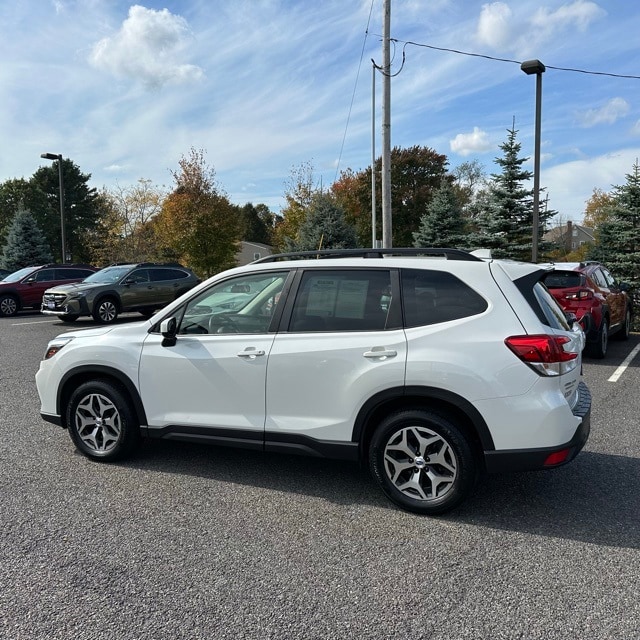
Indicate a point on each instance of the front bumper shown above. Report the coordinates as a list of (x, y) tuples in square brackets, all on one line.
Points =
[(73, 307), (535, 459)]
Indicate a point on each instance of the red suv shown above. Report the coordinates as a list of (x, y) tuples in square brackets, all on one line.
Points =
[(602, 305), (23, 289)]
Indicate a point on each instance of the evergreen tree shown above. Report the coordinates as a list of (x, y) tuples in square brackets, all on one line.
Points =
[(26, 245), (443, 225), (619, 235), (506, 225), (324, 227), (81, 208)]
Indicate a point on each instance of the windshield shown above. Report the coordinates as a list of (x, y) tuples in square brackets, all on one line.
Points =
[(18, 275), (108, 275)]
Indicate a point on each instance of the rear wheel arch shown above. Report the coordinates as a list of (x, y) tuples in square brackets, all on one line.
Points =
[(74, 378), (447, 404)]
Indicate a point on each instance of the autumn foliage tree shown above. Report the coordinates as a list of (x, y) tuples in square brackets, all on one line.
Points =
[(416, 172), (197, 224)]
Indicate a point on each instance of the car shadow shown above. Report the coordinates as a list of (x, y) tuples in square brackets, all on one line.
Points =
[(594, 499)]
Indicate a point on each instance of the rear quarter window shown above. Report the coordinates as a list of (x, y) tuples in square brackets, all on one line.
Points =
[(552, 311), (431, 297)]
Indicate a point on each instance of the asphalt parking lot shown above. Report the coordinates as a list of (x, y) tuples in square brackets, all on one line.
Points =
[(203, 542)]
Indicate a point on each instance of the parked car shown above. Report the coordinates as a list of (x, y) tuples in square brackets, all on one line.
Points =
[(23, 289), (144, 287), (429, 366), (601, 304)]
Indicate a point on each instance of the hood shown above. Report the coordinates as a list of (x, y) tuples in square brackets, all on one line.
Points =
[(76, 287)]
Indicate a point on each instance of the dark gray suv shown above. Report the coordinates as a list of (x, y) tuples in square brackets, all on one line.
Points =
[(144, 287)]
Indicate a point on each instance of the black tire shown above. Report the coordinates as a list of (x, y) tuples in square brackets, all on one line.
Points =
[(105, 310), (598, 349), (101, 422), (8, 305), (421, 446), (69, 317)]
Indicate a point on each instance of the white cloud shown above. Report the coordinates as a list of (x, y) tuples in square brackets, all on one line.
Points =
[(148, 47), (607, 114), (525, 33), (494, 25), (571, 184), (465, 144), (579, 14)]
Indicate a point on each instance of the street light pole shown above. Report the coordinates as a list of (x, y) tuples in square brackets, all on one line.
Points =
[(536, 67), (58, 157)]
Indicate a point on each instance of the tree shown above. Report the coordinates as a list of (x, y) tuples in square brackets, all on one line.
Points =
[(15, 194), (197, 222), (506, 225), (619, 236), (123, 232), (416, 173), (597, 208), (26, 245), (471, 188), (324, 226), (81, 209), (299, 190), (259, 222), (443, 225)]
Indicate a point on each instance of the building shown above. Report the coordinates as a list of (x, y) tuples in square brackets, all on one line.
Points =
[(570, 236), (250, 251)]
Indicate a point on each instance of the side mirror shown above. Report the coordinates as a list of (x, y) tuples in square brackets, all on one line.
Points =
[(624, 286), (169, 331), (570, 317)]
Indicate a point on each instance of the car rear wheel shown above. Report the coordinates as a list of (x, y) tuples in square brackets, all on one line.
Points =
[(105, 311), (8, 306), (599, 348), (101, 422), (422, 461)]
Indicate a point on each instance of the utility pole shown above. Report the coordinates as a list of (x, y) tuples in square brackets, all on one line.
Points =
[(386, 127)]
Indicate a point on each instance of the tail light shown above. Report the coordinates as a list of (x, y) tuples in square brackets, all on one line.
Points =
[(583, 294), (547, 355)]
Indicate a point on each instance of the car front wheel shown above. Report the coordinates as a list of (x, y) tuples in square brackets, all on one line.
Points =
[(101, 422), (422, 461), (105, 311), (599, 347), (625, 330), (8, 306)]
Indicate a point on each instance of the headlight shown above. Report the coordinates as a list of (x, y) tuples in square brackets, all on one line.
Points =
[(54, 346), (76, 295)]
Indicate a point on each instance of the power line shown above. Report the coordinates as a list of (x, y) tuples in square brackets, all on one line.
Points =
[(355, 86), (486, 57)]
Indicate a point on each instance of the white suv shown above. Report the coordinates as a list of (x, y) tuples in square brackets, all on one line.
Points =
[(430, 366)]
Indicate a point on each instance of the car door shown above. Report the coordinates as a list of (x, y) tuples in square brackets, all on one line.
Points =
[(343, 344), (616, 299), (211, 383), (36, 286), (137, 290)]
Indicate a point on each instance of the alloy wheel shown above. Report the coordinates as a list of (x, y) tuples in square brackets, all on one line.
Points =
[(420, 463), (97, 423)]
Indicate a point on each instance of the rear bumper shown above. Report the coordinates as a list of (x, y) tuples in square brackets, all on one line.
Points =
[(535, 459)]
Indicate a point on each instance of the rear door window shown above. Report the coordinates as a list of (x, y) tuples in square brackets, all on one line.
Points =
[(342, 300), (431, 297)]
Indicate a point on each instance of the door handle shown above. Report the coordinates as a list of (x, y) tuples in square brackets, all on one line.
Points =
[(250, 353), (380, 352)]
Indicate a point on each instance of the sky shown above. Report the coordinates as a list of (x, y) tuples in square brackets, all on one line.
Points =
[(265, 86)]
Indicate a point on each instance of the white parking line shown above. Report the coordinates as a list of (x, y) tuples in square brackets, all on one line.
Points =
[(623, 367), (18, 324)]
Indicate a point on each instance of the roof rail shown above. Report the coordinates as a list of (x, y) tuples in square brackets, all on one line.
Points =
[(449, 254)]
